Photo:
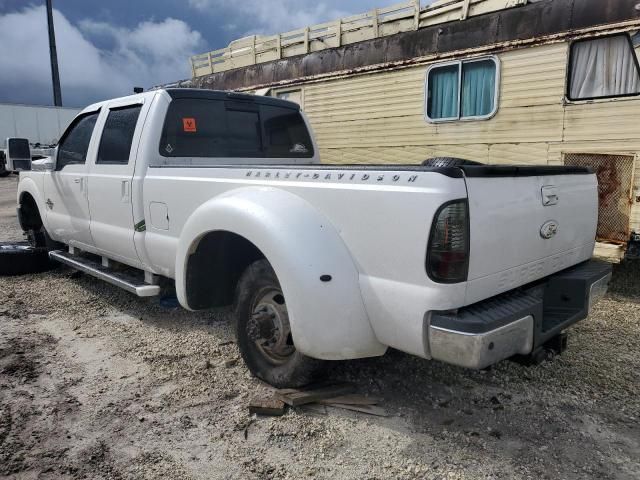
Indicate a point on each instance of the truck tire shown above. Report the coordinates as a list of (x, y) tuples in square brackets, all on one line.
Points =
[(31, 222), (448, 162), (20, 258), (39, 238), (263, 331), (4, 172)]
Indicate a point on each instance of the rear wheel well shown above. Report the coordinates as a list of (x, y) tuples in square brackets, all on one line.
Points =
[(215, 267), (29, 215)]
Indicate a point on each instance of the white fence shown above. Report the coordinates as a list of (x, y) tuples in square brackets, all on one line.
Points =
[(380, 22)]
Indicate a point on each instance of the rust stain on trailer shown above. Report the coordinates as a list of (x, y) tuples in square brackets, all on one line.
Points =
[(608, 183), (615, 176)]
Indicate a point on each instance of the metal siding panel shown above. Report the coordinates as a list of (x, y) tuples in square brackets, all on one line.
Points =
[(26, 120), (477, 153), (377, 155), (519, 153), (386, 109), (42, 125), (48, 126), (65, 117), (603, 120), (7, 124)]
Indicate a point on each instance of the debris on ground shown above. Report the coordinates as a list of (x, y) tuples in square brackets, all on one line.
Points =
[(271, 406), (312, 394), (337, 395)]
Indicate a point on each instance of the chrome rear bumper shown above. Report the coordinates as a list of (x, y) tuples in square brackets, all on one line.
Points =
[(517, 322), (482, 349)]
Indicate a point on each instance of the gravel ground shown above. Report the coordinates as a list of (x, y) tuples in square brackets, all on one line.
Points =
[(96, 383)]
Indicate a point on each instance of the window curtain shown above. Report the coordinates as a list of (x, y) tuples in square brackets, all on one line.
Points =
[(443, 92), (478, 88), (602, 68)]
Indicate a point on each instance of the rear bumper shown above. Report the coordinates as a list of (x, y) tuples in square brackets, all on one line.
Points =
[(516, 322)]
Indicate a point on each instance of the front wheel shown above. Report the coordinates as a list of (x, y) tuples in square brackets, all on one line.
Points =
[(264, 333)]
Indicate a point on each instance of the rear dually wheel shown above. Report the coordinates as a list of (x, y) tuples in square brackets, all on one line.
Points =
[(264, 333)]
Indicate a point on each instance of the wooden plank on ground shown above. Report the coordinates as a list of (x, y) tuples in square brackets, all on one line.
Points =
[(295, 397), (368, 409), (267, 406)]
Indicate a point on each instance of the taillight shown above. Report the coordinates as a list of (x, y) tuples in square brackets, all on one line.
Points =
[(448, 250)]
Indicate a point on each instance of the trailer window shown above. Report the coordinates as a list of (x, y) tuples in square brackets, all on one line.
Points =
[(234, 129), (603, 68), (117, 135), (291, 95), (462, 90)]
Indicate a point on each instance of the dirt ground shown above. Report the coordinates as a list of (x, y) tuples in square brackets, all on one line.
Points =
[(96, 383)]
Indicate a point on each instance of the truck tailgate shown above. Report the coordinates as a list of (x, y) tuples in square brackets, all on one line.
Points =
[(527, 223)]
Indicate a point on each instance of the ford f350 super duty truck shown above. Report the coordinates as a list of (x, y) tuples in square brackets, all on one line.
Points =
[(223, 195)]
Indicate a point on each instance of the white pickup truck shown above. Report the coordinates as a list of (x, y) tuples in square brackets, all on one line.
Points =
[(223, 195)]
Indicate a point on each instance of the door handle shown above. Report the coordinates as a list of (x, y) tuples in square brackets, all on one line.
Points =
[(80, 182), (125, 191)]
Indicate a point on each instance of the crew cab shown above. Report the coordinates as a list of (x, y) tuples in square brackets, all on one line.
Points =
[(223, 196)]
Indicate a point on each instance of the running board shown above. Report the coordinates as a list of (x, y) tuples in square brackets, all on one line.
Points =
[(123, 280)]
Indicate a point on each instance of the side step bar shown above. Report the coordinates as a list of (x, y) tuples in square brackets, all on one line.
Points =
[(123, 280)]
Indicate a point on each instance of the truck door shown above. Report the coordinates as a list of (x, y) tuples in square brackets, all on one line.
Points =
[(65, 188), (110, 179)]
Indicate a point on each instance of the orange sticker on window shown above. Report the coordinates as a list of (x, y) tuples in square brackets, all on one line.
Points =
[(189, 125)]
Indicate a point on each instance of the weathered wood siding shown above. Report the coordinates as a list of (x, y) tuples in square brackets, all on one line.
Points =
[(379, 118)]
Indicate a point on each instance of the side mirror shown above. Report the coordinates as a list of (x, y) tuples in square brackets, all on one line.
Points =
[(18, 154)]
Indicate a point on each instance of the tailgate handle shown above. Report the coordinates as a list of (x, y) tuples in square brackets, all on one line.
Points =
[(549, 195)]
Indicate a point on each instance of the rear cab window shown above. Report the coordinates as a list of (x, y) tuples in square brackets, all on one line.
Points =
[(233, 128), (117, 135)]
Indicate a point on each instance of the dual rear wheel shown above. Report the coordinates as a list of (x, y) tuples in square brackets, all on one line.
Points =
[(264, 332)]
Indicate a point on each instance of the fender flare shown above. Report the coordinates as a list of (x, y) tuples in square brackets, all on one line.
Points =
[(28, 185), (328, 318)]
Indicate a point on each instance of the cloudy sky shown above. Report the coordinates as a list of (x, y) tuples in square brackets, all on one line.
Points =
[(105, 48)]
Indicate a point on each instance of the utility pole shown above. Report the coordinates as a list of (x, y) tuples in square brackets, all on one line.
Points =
[(53, 54)]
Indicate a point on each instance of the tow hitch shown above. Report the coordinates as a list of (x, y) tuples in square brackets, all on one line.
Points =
[(554, 346)]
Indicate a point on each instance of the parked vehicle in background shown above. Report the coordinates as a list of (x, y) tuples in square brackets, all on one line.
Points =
[(222, 195)]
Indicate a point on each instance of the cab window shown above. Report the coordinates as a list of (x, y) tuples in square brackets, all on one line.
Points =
[(117, 135), (234, 129), (74, 144)]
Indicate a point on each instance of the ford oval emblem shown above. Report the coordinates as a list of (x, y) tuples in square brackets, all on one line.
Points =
[(549, 230)]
